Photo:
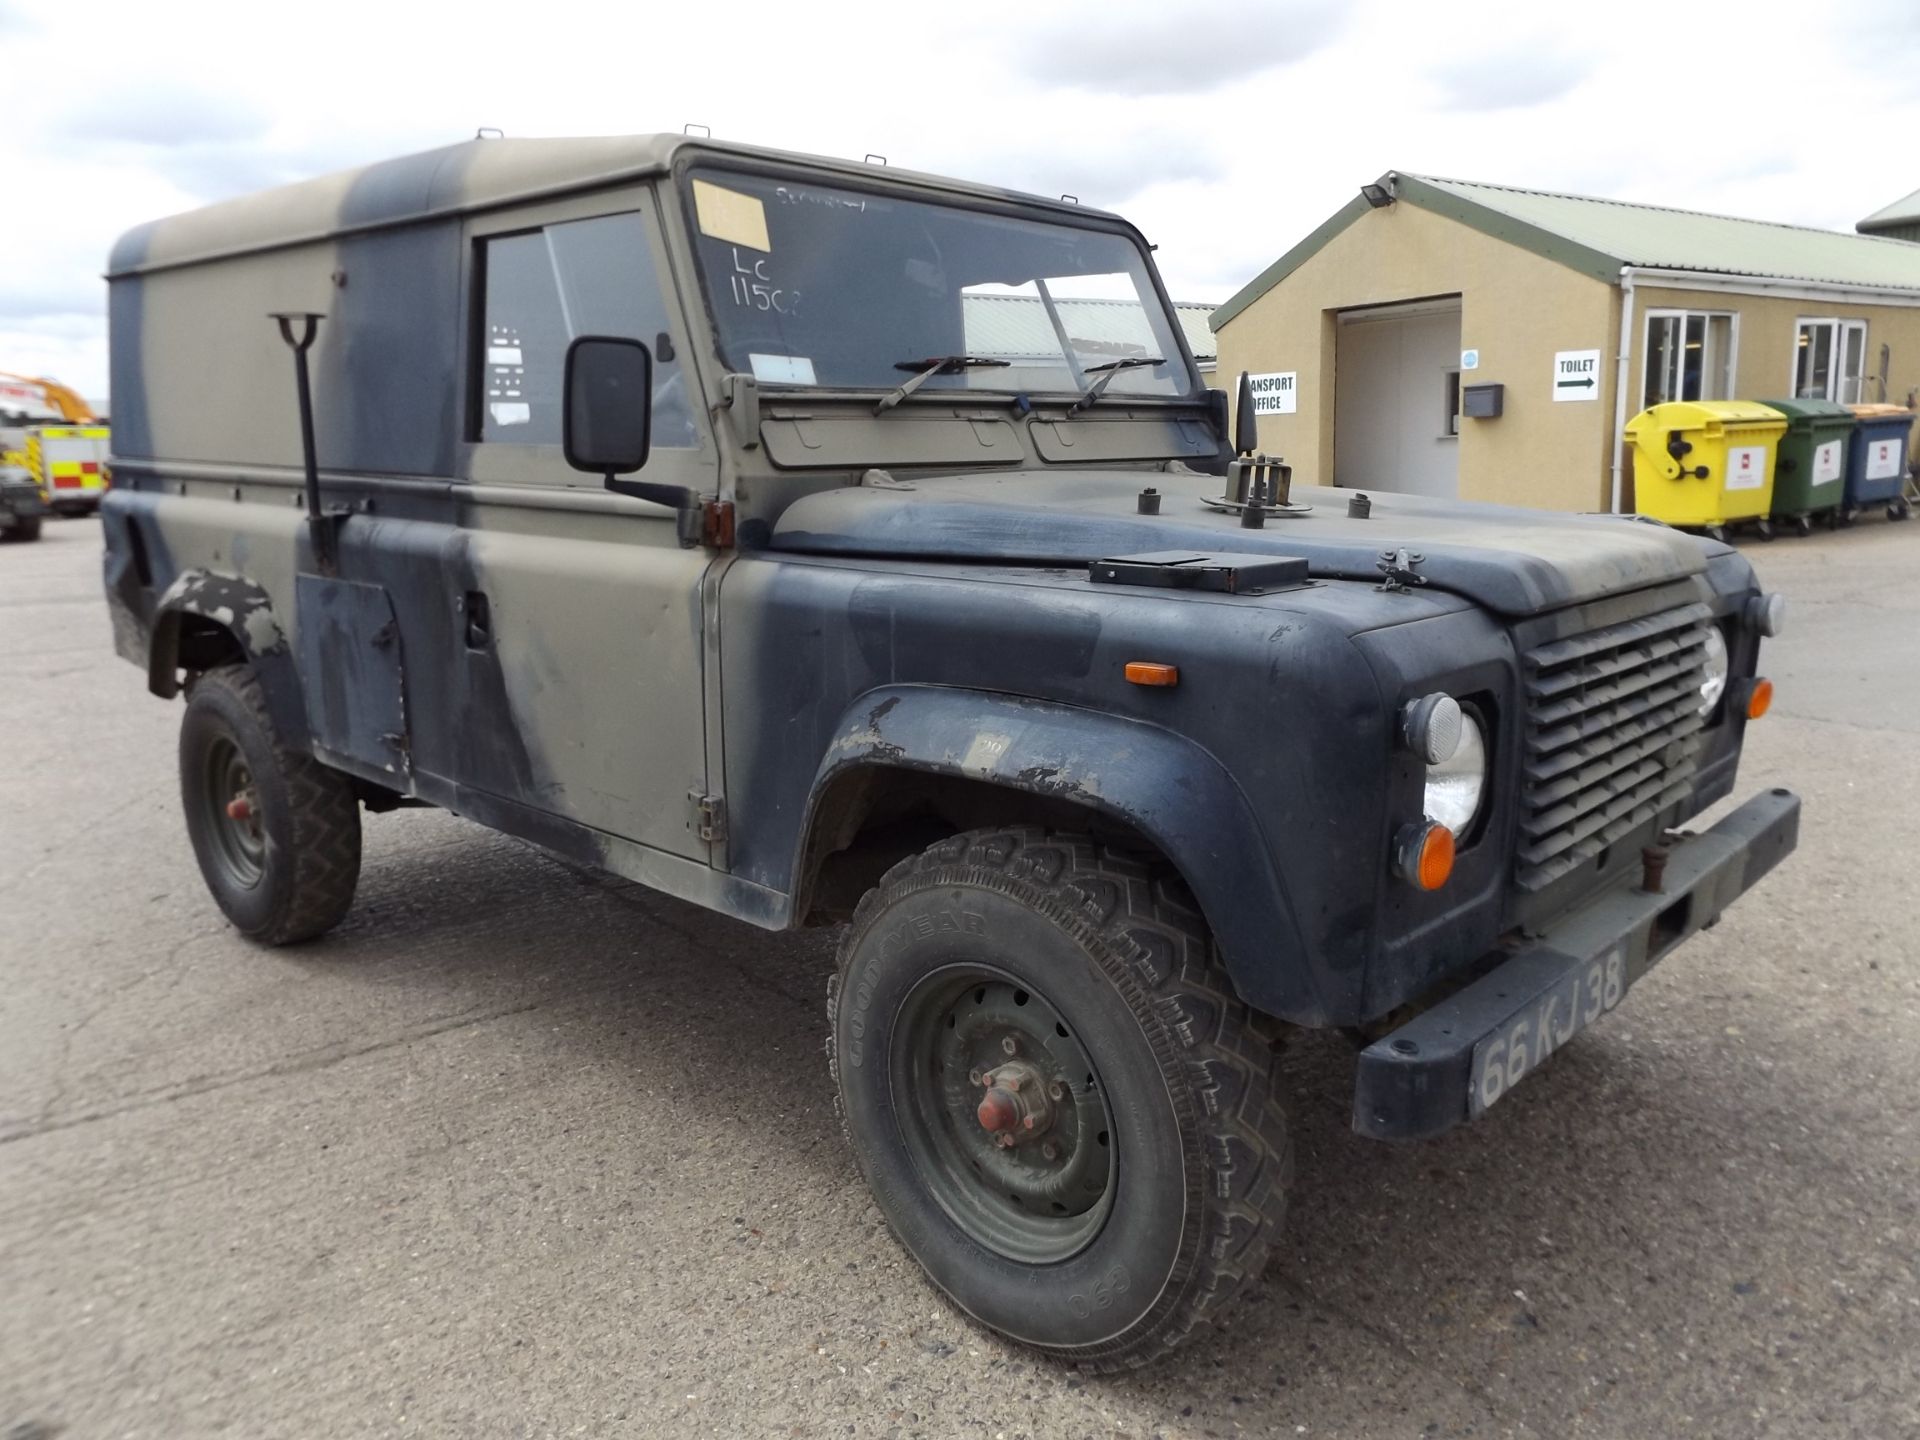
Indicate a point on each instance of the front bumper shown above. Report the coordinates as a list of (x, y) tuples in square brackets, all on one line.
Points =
[(1450, 1062), (22, 501)]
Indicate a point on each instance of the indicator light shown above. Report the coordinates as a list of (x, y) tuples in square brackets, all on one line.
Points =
[(1150, 672), (1424, 855)]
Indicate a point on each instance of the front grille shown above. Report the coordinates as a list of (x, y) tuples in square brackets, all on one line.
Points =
[(1612, 737)]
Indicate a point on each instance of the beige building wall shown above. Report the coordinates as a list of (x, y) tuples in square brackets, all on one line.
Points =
[(1769, 327), (1516, 309)]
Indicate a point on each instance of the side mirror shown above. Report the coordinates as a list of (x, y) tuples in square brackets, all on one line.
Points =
[(1246, 423), (609, 405)]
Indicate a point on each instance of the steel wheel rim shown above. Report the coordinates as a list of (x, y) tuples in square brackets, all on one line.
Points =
[(1042, 1198), (239, 840)]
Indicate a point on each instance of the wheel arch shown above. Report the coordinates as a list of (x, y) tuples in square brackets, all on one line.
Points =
[(204, 619), (909, 764)]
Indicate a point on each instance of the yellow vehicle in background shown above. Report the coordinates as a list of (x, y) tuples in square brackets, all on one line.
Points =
[(51, 433)]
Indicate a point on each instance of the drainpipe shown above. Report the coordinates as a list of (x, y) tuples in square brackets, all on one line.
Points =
[(1621, 371)]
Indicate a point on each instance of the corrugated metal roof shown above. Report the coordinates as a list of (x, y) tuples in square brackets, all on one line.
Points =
[(1597, 237), (1904, 211), (1196, 323), (1017, 325), (1661, 237)]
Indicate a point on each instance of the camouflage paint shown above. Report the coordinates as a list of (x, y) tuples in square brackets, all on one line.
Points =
[(868, 625)]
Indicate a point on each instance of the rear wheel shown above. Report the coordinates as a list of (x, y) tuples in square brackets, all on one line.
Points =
[(1803, 525), (277, 833), (1062, 1110), (25, 527)]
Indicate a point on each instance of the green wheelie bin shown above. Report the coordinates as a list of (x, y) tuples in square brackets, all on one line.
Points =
[(1810, 472)]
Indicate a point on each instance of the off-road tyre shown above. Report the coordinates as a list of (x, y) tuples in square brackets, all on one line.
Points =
[(1203, 1157), (293, 876), (23, 529)]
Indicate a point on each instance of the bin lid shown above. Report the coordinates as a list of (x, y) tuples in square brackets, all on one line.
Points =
[(1706, 414), (1880, 412), (1823, 411)]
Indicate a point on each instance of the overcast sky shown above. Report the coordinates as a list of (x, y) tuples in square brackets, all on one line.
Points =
[(1225, 130)]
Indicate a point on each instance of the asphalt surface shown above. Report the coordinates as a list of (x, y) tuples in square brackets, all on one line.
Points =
[(521, 1150)]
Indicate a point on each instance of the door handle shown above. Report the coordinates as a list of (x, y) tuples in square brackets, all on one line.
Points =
[(479, 620)]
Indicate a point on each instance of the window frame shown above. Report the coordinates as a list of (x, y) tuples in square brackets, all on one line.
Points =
[(515, 463), (1838, 328), (755, 167), (1731, 369)]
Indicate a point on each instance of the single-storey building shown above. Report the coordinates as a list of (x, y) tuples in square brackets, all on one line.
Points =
[(1445, 337), (1898, 221)]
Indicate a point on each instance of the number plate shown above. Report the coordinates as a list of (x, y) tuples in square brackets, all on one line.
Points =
[(1521, 1046)]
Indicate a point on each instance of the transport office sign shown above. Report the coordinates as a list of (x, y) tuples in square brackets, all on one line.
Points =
[(1276, 393)]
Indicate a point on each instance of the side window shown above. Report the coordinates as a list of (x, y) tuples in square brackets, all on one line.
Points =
[(543, 289)]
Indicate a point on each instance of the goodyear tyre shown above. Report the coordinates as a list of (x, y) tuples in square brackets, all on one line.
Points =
[(277, 833), (1062, 1110)]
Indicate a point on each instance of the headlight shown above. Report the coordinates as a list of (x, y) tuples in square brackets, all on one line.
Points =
[(1455, 786), (1713, 682)]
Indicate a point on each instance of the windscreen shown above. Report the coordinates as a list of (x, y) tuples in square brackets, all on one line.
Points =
[(844, 288)]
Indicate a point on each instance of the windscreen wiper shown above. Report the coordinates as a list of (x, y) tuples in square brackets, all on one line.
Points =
[(926, 369), (1106, 373)]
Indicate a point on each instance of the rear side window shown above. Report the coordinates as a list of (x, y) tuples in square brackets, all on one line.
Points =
[(544, 288)]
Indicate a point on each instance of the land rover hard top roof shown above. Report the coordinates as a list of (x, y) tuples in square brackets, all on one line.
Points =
[(456, 179)]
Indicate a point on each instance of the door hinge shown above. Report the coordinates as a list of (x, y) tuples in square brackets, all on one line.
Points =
[(709, 816)]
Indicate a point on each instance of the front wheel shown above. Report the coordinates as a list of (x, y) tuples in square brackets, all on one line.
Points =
[(277, 833), (1061, 1108)]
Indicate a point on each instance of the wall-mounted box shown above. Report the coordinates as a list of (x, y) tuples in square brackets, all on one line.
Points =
[(1482, 402)]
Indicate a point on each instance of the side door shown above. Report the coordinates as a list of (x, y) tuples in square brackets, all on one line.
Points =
[(581, 610)]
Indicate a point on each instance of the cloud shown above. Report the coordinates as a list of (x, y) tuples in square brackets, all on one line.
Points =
[(53, 298), (1164, 50), (1107, 177), (162, 116), (1510, 79)]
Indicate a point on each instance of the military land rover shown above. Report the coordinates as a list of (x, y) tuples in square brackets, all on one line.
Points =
[(950, 607)]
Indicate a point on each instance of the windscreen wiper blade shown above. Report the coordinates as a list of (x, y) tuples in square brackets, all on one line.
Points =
[(1106, 373), (925, 370)]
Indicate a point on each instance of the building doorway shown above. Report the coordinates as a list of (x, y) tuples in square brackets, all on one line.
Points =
[(1396, 398)]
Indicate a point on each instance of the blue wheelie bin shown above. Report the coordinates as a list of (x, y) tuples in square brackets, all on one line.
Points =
[(1877, 461)]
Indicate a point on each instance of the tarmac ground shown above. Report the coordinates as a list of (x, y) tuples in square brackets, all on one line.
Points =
[(525, 1151)]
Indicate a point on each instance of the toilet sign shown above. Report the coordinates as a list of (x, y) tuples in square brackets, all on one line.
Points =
[(1576, 375)]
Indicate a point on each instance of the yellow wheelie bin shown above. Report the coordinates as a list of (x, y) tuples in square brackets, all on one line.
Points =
[(1706, 464)]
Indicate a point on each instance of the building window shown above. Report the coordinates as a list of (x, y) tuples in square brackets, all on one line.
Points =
[(1453, 403), (1830, 360), (543, 289), (1689, 356)]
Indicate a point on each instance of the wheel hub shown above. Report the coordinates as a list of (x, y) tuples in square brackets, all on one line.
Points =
[(1016, 1107), (1008, 1121), (233, 806)]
